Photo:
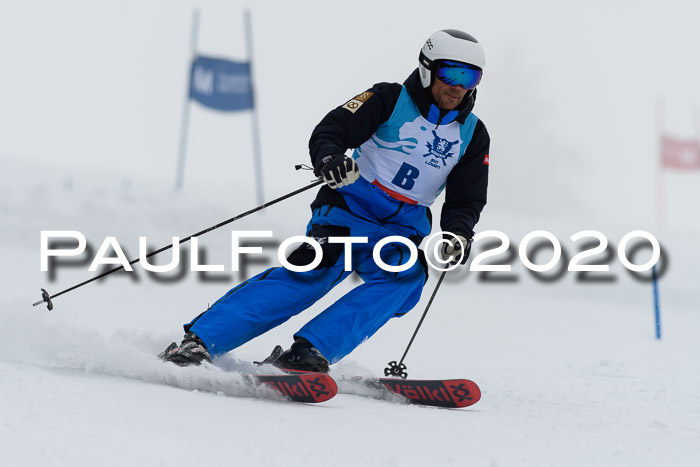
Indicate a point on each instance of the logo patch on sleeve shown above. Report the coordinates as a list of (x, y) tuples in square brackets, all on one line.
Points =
[(486, 159), (356, 102)]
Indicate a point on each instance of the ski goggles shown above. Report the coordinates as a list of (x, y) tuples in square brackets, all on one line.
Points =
[(457, 73)]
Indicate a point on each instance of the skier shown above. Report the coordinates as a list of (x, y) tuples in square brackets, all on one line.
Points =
[(410, 142)]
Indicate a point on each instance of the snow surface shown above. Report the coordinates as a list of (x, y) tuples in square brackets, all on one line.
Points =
[(570, 371)]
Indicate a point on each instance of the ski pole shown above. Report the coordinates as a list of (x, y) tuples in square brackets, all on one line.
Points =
[(46, 298), (399, 369)]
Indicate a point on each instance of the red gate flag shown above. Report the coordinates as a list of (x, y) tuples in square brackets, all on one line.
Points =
[(680, 154)]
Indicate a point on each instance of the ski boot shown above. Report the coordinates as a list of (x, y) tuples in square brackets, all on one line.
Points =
[(302, 356), (191, 351)]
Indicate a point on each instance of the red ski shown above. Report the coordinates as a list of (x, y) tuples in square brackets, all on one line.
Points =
[(300, 387), (453, 393)]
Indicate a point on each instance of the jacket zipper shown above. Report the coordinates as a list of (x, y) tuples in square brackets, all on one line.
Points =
[(439, 120)]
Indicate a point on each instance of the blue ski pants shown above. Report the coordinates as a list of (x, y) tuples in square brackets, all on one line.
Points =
[(275, 295)]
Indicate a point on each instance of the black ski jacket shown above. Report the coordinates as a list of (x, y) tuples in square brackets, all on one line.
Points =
[(465, 190)]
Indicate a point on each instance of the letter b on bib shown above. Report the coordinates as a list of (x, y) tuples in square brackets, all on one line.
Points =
[(406, 176)]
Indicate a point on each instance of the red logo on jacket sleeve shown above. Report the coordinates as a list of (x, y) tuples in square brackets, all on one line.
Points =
[(486, 159)]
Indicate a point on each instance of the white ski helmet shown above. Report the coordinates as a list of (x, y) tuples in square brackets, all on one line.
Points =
[(449, 44)]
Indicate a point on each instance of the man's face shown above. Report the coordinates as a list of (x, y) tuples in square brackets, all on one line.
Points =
[(447, 97)]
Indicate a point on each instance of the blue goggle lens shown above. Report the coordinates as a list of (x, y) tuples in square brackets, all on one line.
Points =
[(456, 73)]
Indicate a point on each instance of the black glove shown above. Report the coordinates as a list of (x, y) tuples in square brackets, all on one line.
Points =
[(452, 251), (338, 170)]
